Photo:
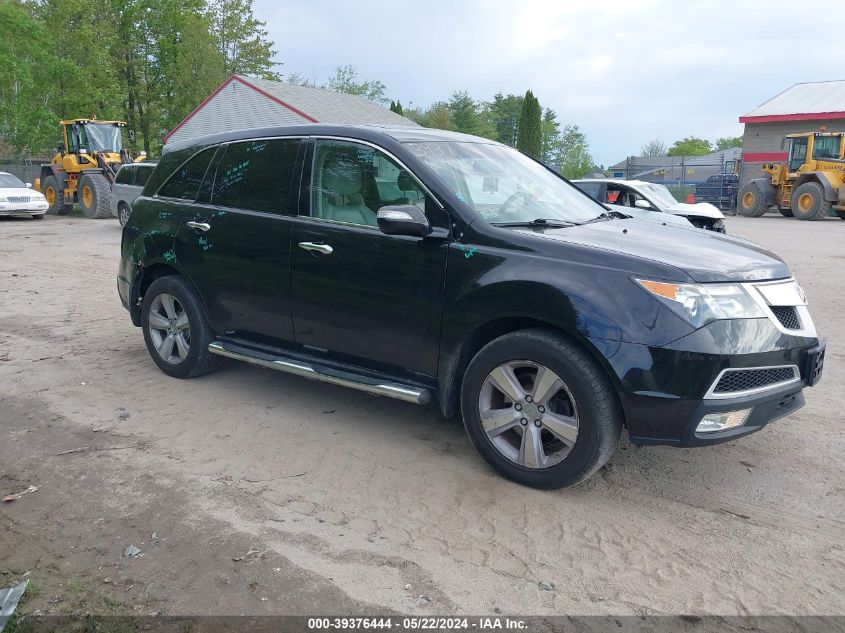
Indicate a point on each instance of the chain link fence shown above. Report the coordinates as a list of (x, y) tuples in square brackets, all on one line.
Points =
[(27, 169), (689, 178)]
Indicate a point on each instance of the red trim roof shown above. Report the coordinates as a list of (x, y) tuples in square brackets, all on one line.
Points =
[(763, 157), (775, 118), (248, 84)]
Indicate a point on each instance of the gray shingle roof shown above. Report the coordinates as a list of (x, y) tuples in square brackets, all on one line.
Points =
[(327, 106)]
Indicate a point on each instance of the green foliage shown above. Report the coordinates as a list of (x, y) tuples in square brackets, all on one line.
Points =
[(504, 113), (396, 106), (575, 158), (148, 62), (529, 132), (727, 142), (469, 117), (690, 146), (345, 79)]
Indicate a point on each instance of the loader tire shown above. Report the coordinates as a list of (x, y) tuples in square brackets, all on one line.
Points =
[(841, 215), (750, 201), (808, 202), (94, 196), (55, 196)]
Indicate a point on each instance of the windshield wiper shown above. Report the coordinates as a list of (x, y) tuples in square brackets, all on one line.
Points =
[(550, 222)]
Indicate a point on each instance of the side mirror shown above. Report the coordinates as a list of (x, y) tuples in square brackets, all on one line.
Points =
[(403, 219), (29, 185), (642, 204)]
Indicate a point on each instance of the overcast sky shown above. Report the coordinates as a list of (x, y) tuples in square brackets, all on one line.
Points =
[(624, 71)]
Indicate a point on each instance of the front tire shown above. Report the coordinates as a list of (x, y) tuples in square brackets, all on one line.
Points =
[(55, 196), (94, 194), (808, 202), (175, 329), (750, 201), (540, 410)]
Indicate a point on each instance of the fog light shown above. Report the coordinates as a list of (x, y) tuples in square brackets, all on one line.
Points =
[(713, 422)]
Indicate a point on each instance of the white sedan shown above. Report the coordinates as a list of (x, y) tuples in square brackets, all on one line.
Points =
[(637, 194), (18, 200)]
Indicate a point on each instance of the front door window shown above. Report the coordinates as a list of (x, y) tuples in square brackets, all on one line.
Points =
[(797, 153)]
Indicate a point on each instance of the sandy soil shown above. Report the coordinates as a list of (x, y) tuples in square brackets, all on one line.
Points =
[(340, 502)]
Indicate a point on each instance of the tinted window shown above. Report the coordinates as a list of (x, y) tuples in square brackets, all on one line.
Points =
[(186, 181), (143, 174), (259, 176), (352, 181), (124, 176)]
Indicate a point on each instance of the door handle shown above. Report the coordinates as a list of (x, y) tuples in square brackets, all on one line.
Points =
[(201, 226), (324, 249)]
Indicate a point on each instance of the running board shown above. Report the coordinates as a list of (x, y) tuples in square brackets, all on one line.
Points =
[(408, 393)]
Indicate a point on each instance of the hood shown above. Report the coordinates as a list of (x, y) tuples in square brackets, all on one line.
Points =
[(5, 192), (653, 216), (701, 209), (706, 256)]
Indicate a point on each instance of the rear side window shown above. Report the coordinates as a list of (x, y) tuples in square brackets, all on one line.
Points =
[(258, 176), (124, 176), (143, 175), (186, 181)]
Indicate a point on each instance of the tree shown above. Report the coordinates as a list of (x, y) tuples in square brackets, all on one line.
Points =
[(728, 142), (468, 117), (550, 138), (654, 147), (576, 161), (26, 120), (503, 114), (242, 39), (690, 146), (345, 79), (437, 116), (396, 106), (529, 131)]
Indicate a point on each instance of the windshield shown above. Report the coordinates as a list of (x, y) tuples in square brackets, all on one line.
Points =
[(502, 185), (101, 136), (659, 195), (8, 181)]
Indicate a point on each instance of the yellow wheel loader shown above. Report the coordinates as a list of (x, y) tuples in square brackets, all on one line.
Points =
[(84, 167), (810, 185)]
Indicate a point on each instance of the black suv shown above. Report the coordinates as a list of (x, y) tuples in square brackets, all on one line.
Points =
[(415, 264)]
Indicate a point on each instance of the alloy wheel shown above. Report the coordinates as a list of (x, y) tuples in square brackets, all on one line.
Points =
[(169, 328), (528, 414)]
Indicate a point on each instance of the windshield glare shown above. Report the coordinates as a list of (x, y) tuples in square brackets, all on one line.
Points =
[(502, 185), (8, 181), (102, 136), (660, 195)]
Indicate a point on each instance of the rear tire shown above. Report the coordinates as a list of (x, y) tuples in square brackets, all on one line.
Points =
[(175, 329), (808, 202), (750, 201), (577, 429), (123, 212), (94, 193), (40, 216)]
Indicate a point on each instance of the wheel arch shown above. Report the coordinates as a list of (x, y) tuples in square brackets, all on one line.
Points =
[(145, 276), (454, 363)]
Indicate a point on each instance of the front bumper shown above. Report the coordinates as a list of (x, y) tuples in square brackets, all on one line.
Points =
[(663, 389), (22, 210)]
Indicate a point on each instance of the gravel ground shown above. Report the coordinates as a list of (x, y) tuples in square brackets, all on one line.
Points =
[(250, 491)]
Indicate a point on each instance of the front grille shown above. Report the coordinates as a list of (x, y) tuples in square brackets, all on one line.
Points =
[(18, 199), (788, 316), (746, 379)]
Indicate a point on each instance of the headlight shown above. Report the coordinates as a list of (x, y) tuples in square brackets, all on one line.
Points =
[(699, 304)]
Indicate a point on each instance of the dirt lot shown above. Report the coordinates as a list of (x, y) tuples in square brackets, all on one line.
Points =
[(338, 502)]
